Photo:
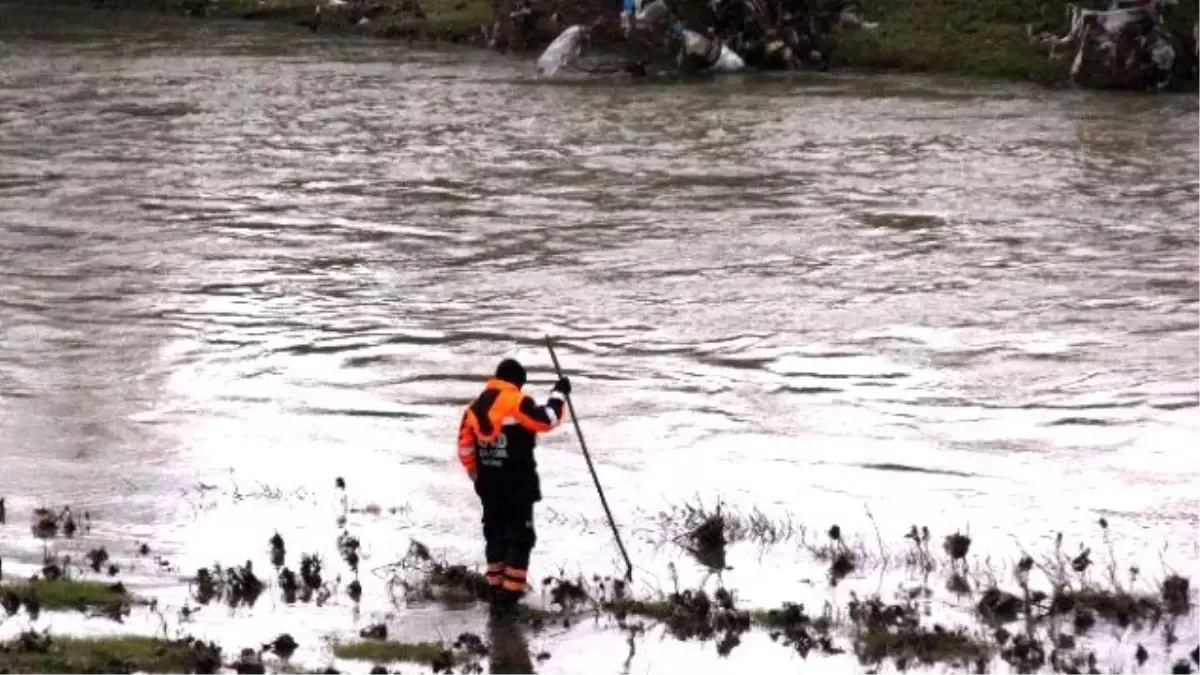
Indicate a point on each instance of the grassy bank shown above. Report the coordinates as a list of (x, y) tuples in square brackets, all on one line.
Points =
[(985, 38), (433, 21), (979, 37)]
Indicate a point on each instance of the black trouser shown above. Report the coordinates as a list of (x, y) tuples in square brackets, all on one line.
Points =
[(509, 536)]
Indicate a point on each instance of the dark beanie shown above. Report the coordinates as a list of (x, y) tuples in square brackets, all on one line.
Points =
[(511, 371)]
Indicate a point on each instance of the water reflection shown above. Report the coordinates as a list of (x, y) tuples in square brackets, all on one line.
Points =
[(631, 642), (80, 367), (509, 649)]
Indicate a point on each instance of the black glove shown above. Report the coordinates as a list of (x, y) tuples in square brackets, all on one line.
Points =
[(563, 385)]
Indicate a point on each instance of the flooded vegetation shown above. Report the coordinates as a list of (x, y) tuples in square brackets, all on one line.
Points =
[(42, 653), (59, 593), (877, 373), (438, 656), (1054, 610)]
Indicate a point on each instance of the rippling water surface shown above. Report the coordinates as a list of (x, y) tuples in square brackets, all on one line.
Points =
[(227, 248)]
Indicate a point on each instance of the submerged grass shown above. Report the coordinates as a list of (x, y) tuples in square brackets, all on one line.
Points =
[(419, 577), (42, 653), (878, 630), (377, 651), (894, 630), (938, 645), (440, 656), (67, 594)]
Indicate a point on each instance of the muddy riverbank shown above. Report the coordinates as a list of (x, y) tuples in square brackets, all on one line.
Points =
[(989, 38)]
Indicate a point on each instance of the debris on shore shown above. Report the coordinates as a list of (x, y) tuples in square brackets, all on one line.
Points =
[(1127, 44)]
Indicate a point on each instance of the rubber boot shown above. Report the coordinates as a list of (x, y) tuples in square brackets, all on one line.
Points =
[(506, 602), (494, 594)]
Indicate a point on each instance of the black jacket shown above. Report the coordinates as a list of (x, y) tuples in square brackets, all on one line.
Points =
[(497, 437)]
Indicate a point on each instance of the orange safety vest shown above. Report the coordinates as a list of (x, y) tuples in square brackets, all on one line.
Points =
[(499, 430)]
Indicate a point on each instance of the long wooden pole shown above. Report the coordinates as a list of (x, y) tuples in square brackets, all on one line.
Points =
[(591, 468)]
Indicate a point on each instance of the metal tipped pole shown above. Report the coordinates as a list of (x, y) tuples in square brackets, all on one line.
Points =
[(591, 468)]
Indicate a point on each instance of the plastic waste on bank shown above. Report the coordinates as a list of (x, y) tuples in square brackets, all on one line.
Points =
[(560, 53), (727, 60), (568, 46), (633, 14)]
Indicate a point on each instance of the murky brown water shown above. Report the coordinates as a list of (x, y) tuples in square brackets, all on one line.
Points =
[(233, 247)]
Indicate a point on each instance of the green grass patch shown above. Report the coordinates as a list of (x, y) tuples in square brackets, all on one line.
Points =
[(789, 616), (378, 651), (449, 20), (659, 610), (33, 653), (455, 20), (1118, 606), (458, 12), (986, 38), (925, 646), (71, 594)]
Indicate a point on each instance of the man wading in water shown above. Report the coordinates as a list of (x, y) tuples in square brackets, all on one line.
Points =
[(495, 445)]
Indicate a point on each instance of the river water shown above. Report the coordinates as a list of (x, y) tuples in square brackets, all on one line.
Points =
[(237, 255)]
